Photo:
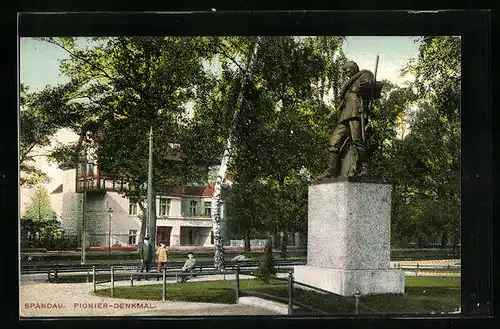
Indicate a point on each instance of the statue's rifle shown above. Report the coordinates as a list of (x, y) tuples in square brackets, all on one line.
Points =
[(371, 101)]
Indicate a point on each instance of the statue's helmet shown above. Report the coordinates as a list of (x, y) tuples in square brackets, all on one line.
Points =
[(351, 68)]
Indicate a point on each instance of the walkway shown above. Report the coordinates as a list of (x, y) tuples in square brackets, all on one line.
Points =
[(41, 299)]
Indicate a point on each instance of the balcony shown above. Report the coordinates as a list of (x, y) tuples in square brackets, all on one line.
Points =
[(100, 183)]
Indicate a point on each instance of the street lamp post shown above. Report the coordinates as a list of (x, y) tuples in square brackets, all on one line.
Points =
[(150, 197), (84, 202), (110, 215)]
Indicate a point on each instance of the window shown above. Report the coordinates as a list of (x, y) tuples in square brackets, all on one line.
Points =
[(190, 236), (132, 235), (90, 168), (132, 209), (208, 209), (193, 208), (164, 206)]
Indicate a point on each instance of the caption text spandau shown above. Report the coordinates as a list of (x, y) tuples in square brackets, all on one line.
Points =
[(50, 305)]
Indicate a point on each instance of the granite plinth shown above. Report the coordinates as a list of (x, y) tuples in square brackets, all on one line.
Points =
[(347, 282), (348, 245)]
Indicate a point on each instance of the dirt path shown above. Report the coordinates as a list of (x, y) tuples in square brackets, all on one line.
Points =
[(41, 299)]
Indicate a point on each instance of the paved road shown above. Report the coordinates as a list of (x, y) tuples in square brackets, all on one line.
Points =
[(41, 299)]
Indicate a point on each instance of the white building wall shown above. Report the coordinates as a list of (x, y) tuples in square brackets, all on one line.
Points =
[(175, 207), (121, 221), (56, 201), (71, 210), (96, 219)]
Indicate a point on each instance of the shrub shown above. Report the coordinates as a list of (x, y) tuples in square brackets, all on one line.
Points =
[(45, 234), (266, 268)]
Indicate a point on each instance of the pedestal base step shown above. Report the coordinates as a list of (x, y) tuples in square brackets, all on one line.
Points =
[(346, 282)]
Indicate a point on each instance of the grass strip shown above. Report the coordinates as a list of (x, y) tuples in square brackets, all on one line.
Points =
[(423, 295)]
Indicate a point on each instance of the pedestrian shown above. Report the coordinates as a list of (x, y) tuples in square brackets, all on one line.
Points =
[(187, 267), (146, 254), (161, 257)]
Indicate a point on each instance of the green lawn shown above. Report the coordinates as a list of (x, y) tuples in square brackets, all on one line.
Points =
[(424, 295)]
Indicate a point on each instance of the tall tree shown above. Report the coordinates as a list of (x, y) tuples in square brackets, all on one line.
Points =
[(424, 164), (283, 130), (39, 121), (125, 85), (39, 207)]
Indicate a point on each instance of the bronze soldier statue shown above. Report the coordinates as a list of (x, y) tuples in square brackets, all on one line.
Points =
[(355, 96)]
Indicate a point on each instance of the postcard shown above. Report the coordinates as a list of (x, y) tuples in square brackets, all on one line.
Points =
[(167, 175)]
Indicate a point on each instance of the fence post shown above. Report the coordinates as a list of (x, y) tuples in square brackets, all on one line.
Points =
[(112, 281), (356, 305), (290, 292), (163, 291), (237, 283), (93, 278)]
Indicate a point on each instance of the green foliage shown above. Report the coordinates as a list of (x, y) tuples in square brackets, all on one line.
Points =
[(283, 130), (423, 164), (39, 226), (266, 268), (124, 85), (39, 121), (45, 234), (39, 207), (188, 89)]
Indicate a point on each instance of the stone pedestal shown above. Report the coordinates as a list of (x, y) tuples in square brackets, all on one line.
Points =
[(348, 245)]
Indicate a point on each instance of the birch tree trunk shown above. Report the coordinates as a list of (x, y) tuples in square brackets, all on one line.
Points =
[(226, 159)]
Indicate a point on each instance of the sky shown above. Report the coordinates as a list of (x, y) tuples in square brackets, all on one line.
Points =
[(394, 53), (39, 61), (39, 67)]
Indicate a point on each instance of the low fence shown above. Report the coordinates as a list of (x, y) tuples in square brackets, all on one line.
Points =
[(131, 275), (426, 269), (291, 302)]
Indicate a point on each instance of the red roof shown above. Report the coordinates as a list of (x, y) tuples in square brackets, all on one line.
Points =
[(208, 190)]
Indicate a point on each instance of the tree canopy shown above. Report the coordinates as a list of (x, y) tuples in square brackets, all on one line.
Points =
[(189, 89)]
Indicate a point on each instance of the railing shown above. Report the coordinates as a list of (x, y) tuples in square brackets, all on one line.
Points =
[(61, 267), (429, 269), (291, 300), (131, 274), (97, 183)]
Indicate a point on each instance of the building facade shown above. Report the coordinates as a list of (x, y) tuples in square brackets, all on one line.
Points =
[(183, 216)]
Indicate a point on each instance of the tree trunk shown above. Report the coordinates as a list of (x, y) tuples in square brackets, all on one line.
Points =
[(444, 239), (276, 240), (247, 240), (221, 177), (284, 242)]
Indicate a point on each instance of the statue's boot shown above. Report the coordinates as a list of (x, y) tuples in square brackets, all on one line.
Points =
[(333, 165)]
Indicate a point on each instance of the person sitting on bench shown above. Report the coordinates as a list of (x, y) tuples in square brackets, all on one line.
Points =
[(187, 267)]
